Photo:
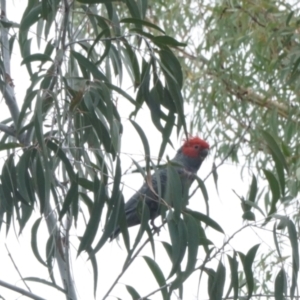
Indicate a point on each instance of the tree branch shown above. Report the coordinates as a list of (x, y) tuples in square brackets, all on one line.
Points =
[(19, 290), (17, 269), (7, 86), (61, 244), (129, 262), (155, 291)]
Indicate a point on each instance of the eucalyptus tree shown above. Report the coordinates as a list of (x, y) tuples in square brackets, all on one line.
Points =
[(236, 63)]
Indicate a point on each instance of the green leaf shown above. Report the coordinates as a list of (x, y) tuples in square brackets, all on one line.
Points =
[(215, 175), (275, 149), (50, 256), (116, 212), (93, 223), (9, 24), (205, 219), (36, 57), (295, 256), (24, 179), (86, 64), (234, 276), (280, 175), (40, 182), (121, 92), (178, 235), (253, 189), (141, 23), (143, 215), (133, 61), (71, 197), (216, 282), (26, 104), (247, 262), (26, 212), (61, 154), (283, 223), (168, 41), (30, 17), (94, 264), (274, 186), (7, 146), (174, 194), (202, 188), (168, 249), (144, 141), (248, 215), (85, 183), (133, 293), (9, 191), (280, 285), (38, 122), (193, 231), (133, 9), (34, 241), (158, 274), (176, 96), (276, 241), (254, 205), (171, 66), (116, 216), (166, 134)]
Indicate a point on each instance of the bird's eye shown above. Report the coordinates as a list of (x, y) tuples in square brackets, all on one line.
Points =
[(196, 147)]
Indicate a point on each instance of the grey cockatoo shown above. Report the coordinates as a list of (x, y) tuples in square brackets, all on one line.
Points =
[(187, 162)]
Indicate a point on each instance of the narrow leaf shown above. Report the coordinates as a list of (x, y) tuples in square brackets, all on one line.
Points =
[(133, 293), (234, 276), (34, 241), (144, 141), (280, 285), (247, 262), (295, 256), (141, 22), (205, 219), (158, 274), (274, 148), (71, 197)]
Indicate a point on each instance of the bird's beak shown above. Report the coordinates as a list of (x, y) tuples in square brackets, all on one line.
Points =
[(204, 153)]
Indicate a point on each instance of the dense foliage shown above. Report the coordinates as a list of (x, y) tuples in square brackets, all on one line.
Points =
[(229, 70)]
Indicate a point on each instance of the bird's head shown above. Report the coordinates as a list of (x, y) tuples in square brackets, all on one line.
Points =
[(192, 153), (194, 147)]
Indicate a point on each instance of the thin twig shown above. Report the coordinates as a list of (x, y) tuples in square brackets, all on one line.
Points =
[(125, 268), (129, 262), (152, 293), (17, 269), (207, 259), (116, 38)]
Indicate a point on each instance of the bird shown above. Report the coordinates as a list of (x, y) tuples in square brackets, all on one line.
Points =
[(186, 162)]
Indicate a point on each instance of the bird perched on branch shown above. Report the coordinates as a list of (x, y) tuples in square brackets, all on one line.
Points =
[(187, 162)]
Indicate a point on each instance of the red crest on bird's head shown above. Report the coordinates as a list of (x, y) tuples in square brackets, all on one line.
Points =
[(193, 146)]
